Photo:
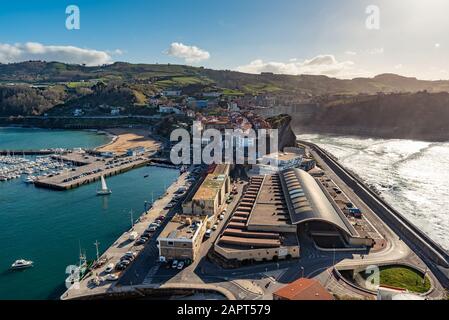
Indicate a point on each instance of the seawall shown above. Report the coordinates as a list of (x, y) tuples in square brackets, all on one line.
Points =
[(427, 249)]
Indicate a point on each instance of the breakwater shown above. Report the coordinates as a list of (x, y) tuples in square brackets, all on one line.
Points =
[(427, 249)]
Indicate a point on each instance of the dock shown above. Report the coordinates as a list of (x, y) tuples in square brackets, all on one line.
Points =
[(85, 289), (90, 169), (42, 152)]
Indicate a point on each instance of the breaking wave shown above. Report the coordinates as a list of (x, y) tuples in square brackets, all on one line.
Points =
[(412, 176)]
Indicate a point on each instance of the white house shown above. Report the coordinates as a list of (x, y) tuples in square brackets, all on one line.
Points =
[(211, 94), (172, 93), (169, 109), (78, 112)]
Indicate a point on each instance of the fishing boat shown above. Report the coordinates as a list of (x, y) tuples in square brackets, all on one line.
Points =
[(104, 191), (77, 272), (21, 264)]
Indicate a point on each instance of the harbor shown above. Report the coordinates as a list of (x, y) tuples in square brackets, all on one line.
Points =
[(38, 224), (100, 280), (92, 171)]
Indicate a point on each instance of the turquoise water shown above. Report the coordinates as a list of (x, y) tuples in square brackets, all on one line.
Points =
[(21, 138), (46, 226)]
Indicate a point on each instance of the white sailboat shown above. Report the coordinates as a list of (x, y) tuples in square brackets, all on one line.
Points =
[(104, 188)]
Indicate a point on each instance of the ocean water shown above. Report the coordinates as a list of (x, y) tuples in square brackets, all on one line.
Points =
[(47, 226), (413, 176), (30, 138)]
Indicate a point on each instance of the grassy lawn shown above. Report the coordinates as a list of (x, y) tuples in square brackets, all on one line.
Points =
[(404, 277)]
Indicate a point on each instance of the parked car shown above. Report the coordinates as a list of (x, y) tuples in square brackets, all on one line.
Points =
[(109, 268), (221, 217), (174, 264), (141, 241), (214, 227), (208, 233), (131, 254), (112, 277), (120, 266), (168, 206), (180, 265)]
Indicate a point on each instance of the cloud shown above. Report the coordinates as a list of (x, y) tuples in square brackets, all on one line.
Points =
[(116, 52), (36, 51), (437, 45), (319, 65), (191, 54), (351, 53)]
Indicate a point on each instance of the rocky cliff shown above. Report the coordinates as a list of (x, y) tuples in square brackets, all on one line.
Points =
[(282, 123), (420, 116)]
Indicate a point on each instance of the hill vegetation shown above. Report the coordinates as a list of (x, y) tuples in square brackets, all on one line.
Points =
[(36, 87)]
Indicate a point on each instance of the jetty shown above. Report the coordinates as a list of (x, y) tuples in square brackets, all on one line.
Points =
[(89, 169), (27, 152)]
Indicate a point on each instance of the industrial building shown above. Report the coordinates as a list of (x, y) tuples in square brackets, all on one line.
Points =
[(312, 207), (275, 209), (260, 228), (211, 195), (181, 238)]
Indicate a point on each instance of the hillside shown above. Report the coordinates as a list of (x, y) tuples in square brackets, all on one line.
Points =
[(423, 116), (36, 87)]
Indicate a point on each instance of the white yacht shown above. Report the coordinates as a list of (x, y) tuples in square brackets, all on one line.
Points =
[(104, 188), (21, 264)]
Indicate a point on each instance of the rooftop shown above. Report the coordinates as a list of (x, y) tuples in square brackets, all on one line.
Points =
[(304, 289), (308, 202), (210, 187), (182, 227), (270, 208)]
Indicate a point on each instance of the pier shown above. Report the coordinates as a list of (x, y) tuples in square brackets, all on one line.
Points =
[(42, 152), (90, 169), (85, 289)]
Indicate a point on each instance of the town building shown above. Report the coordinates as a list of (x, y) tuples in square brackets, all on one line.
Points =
[(137, 151), (115, 111), (214, 94), (170, 109), (211, 195), (181, 238), (278, 161), (172, 93), (303, 289), (78, 112)]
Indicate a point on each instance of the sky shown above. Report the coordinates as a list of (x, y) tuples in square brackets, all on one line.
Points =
[(343, 39)]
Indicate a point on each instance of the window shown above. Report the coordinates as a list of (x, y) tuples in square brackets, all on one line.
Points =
[(170, 243)]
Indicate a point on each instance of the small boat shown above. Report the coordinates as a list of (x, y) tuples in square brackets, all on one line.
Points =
[(77, 272), (30, 180), (146, 176), (104, 191), (21, 264)]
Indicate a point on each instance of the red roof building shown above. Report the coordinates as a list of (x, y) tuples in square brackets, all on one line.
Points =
[(303, 289)]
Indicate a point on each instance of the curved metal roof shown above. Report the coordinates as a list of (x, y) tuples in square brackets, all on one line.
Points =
[(307, 201)]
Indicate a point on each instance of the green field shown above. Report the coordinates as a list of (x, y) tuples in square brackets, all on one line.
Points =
[(403, 277)]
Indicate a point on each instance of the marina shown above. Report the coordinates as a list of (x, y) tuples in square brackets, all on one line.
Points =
[(93, 170), (39, 225)]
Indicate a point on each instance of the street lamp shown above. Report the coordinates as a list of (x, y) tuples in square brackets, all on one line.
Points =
[(302, 272)]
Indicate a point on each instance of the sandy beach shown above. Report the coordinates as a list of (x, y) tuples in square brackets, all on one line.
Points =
[(126, 138)]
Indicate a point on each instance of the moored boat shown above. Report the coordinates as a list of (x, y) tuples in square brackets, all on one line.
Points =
[(21, 264)]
